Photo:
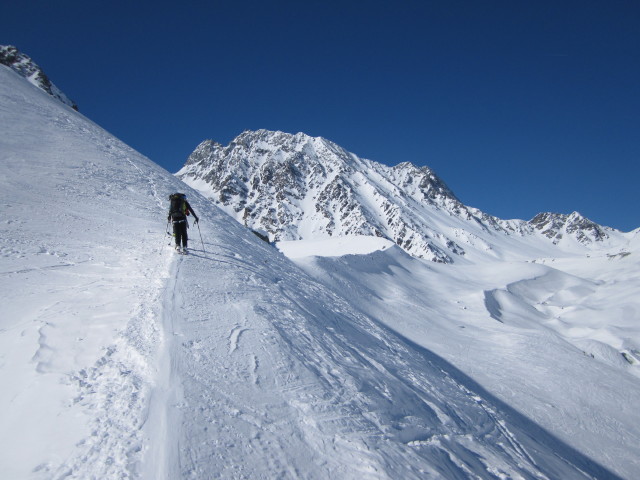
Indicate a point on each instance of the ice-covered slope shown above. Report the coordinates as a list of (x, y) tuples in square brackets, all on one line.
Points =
[(301, 188), (120, 360)]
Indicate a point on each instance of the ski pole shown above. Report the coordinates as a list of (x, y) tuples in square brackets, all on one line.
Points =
[(198, 224), (166, 230)]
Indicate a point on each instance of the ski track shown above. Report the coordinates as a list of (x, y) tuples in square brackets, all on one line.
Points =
[(162, 418), (80, 261)]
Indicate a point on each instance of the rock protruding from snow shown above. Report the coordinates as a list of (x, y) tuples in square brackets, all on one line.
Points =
[(298, 187), (556, 226), (25, 66)]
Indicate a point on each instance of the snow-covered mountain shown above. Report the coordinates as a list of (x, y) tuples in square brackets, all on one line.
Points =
[(25, 66), (556, 226), (297, 187), (346, 358)]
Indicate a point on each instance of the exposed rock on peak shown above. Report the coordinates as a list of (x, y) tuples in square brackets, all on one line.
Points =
[(25, 66), (301, 187), (556, 226)]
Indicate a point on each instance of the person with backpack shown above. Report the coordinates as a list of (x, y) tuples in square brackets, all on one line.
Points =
[(179, 209)]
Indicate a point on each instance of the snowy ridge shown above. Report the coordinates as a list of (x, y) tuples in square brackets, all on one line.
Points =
[(557, 226), (25, 66), (298, 187), (301, 188), (120, 359)]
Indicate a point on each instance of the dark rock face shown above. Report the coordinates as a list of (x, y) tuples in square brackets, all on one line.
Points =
[(299, 187), (25, 66), (555, 226)]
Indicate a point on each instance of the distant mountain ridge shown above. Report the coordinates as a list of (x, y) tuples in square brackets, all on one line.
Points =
[(555, 226), (300, 187), (25, 66)]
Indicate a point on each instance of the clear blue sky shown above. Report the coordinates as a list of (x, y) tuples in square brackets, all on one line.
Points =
[(520, 106)]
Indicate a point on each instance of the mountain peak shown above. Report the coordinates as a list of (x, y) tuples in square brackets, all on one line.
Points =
[(295, 186), (25, 66), (298, 187), (281, 141), (557, 226)]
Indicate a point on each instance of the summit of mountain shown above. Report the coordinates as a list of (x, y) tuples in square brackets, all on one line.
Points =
[(26, 67), (298, 187)]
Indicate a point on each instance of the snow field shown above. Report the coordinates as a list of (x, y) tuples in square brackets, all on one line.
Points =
[(79, 251), (121, 359), (285, 377), (487, 320)]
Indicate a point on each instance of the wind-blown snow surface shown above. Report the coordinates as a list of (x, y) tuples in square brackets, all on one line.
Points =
[(120, 359)]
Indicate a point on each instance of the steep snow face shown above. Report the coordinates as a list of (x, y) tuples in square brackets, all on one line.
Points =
[(82, 276), (25, 66), (298, 187), (119, 359)]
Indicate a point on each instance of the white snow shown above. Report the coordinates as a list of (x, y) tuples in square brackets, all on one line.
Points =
[(545, 341), (334, 247), (122, 359)]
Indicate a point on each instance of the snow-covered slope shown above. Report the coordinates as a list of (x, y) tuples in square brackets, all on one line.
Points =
[(120, 359), (82, 280), (558, 339), (301, 188), (25, 66)]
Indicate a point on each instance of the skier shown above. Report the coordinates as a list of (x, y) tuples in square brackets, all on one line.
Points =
[(179, 209)]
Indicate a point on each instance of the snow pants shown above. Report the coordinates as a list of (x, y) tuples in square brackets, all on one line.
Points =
[(180, 232)]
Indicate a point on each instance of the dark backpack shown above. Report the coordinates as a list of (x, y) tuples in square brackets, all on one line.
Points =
[(178, 207)]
